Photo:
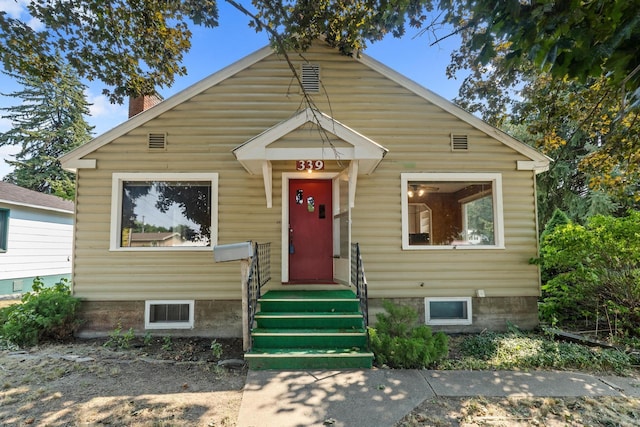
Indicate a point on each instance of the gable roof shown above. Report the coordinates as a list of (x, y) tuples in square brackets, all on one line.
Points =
[(73, 159), (18, 196)]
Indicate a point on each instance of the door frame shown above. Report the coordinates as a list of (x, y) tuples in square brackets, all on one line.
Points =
[(286, 176)]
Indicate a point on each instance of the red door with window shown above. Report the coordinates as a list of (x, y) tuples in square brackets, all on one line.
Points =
[(310, 231)]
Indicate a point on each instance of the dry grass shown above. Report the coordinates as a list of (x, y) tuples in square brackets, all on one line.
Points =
[(522, 412)]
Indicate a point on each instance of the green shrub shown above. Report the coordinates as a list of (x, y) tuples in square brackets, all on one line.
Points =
[(44, 314), (398, 342), (592, 274)]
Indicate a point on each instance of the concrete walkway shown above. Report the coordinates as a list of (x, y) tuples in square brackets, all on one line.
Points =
[(382, 397)]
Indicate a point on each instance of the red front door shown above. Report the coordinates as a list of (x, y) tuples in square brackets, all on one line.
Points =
[(310, 231)]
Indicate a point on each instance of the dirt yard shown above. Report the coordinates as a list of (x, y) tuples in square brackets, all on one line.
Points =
[(178, 382)]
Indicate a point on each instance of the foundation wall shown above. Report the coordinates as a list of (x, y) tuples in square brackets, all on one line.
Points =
[(216, 319), (489, 313), (223, 319)]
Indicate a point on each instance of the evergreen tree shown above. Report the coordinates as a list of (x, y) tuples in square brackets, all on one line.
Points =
[(559, 218), (47, 123)]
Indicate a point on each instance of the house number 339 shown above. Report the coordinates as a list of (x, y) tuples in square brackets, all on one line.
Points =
[(309, 165)]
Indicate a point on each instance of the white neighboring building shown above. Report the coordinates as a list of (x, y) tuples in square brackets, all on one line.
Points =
[(36, 235)]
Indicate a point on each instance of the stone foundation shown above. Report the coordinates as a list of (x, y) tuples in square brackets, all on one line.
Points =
[(216, 319), (223, 318), (489, 313)]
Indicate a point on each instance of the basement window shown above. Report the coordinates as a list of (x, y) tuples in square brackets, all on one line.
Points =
[(162, 314), (448, 311)]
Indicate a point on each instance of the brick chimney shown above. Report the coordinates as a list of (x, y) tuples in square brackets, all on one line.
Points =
[(142, 103)]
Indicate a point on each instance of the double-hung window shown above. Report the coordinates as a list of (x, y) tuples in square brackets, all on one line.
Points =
[(165, 211), (452, 210)]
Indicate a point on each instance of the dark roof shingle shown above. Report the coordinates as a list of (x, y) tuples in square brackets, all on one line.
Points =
[(13, 194)]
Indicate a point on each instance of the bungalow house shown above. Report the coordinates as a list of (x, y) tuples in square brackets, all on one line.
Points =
[(36, 233), (442, 205)]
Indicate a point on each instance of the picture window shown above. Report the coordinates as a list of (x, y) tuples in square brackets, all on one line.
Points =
[(164, 211), (449, 210)]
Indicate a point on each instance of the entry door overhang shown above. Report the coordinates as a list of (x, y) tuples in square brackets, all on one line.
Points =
[(256, 154)]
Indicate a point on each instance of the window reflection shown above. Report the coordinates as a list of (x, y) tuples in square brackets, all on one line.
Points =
[(165, 213)]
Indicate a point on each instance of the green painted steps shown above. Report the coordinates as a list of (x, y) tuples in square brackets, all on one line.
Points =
[(309, 330), (309, 301), (338, 320), (309, 338)]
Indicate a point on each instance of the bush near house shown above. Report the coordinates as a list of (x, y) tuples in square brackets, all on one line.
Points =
[(398, 342), (44, 314), (593, 275)]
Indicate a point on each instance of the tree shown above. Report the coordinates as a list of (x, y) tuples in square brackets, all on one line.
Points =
[(135, 47), (48, 123), (595, 148), (573, 38)]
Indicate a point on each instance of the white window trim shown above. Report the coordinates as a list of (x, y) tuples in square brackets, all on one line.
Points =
[(498, 215), (169, 325), (116, 207), (427, 311)]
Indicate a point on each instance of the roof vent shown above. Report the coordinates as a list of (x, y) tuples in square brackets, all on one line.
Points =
[(311, 78), (157, 142), (459, 142)]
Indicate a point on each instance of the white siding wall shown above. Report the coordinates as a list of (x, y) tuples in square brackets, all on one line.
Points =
[(39, 243)]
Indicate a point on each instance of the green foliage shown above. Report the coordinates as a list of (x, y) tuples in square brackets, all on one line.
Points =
[(167, 343), (558, 219), (344, 24), (594, 274), (133, 46), (518, 350), (398, 342), (146, 340), (44, 314), (568, 38), (216, 349), (589, 128), (47, 122), (118, 339)]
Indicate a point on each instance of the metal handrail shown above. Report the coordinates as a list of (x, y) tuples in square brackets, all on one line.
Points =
[(359, 280), (259, 275)]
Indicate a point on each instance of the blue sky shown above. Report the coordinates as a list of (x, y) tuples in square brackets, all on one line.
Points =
[(213, 49)]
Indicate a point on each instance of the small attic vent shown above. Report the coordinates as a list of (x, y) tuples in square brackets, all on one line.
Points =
[(311, 78), (459, 142), (157, 141)]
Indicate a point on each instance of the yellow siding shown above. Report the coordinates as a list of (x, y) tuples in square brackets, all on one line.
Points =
[(201, 133)]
